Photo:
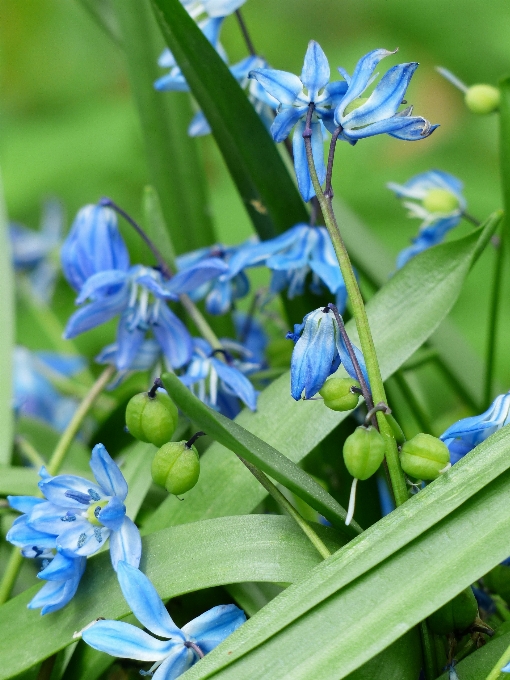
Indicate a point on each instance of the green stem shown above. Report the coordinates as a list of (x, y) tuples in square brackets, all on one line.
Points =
[(501, 662), (429, 656), (56, 460), (288, 507), (30, 452), (200, 322), (493, 322), (362, 325), (419, 412)]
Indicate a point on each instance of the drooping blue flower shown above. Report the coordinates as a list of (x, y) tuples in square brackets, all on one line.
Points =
[(79, 516), (296, 95), (435, 223), (318, 352), (34, 252), (219, 293), (217, 382), (359, 117), (291, 257), (464, 435), (93, 245), (179, 649), (34, 394)]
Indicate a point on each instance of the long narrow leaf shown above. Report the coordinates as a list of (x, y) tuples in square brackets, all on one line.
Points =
[(256, 451), (6, 336)]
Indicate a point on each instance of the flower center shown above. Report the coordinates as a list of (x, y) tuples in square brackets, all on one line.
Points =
[(93, 512), (440, 201)]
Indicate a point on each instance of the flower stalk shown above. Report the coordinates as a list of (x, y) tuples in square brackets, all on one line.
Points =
[(360, 317)]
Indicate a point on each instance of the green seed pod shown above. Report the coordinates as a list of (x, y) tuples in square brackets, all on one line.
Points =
[(456, 615), (176, 466), (337, 394), (363, 452), (482, 99), (424, 456), (498, 581), (440, 201), (152, 419)]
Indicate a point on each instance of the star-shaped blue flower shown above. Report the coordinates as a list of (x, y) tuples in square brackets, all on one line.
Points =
[(179, 649)]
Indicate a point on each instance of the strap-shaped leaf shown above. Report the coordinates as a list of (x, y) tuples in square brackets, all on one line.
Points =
[(402, 315), (262, 455), (177, 561), (268, 192), (6, 336), (504, 112), (433, 546)]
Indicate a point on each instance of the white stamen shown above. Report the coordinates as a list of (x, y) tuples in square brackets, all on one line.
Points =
[(447, 467), (78, 633), (213, 385), (352, 502), (453, 79)]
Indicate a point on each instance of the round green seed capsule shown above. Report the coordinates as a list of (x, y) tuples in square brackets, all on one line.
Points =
[(363, 452), (482, 99), (498, 581), (424, 456), (176, 466), (456, 615), (337, 394), (152, 419), (440, 201)]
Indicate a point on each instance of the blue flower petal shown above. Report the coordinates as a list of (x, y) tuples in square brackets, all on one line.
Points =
[(315, 73), (212, 627), (346, 359), (126, 544), (56, 594), (101, 283), (24, 503), (237, 383), (22, 535), (219, 299), (125, 641), (107, 473), (410, 128), (194, 276), (313, 355), (61, 568), (64, 490), (173, 337), (285, 121), (96, 313), (65, 364), (50, 518), (129, 341), (112, 515), (199, 125), (300, 161), (360, 79), (145, 603), (82, 539), (172, 82), (283, 86), (177, 663), (256, 254)]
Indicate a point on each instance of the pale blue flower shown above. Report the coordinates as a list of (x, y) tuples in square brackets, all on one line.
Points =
[(78, 516), (319, 351), (296, 95), (379, 114), (464, 435), (211, 379), (34, 394), (35, 252), (213, 8), (179, 649), (435, 225), (291, 257)]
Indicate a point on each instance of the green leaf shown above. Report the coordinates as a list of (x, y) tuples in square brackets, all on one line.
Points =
[(504, 114), (102, 13), (479, 664), (432, 546), (156, 226), (268, 192), (6, 336), (177, 560), (174, 165), (18, 481), (135, 464), (256, 451), (402, 315)]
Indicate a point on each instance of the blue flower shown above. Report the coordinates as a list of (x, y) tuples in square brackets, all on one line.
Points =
[(79, 516), (251, 337), (33, 251), (93, 245), (217, 382), (179, 649), (34, 394), (440, 207), (360, 118), (221, 292), (464, 435), (291, 257), (318, 353), (295, 96), (213, 8)]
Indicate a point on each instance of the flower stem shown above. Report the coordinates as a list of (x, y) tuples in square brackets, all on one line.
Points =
[(502, 661), (245, 32), (493, 322), (362, 325), (56, 460), (29, 452), (288, 507), (200, 322)]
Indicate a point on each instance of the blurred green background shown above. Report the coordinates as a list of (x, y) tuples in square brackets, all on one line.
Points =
[(68, 126)]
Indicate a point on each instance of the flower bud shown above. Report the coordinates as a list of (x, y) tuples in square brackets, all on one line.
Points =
[(363, 452), (498, 581), (337, 394), (424, 456), (482, 99), (440, 201), (152, 419), (176, 466), (456, 615)]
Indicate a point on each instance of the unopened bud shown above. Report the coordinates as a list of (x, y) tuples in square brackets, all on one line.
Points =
[(176, 466), (363, 452), (456, 615), (152, 419), (440, 201), (482, 99), (337, 394), (424, 456)]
